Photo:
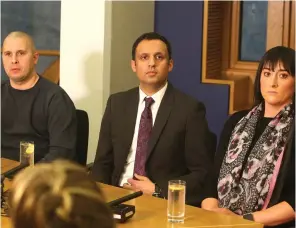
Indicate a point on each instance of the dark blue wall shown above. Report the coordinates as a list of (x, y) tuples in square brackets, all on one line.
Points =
[(181, 22), (40, 19)]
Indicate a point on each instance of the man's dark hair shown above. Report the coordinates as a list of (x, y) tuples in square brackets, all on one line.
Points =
[(151, 36)]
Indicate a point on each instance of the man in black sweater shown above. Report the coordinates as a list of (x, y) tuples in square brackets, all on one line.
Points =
[(33, 108)]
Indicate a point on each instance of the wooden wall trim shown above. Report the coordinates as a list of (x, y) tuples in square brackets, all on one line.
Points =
[(204, 78), (48, 52), (286, 23), (204, 41), (226, 39), (292, 26), (281, 24), (240, 75), (234, 45), (235, 63), (275, 24), (52, 72)]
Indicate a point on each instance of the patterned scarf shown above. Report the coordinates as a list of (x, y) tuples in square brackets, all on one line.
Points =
[(245, 191)]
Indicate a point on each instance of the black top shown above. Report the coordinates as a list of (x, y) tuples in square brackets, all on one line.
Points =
[(285, 185), (44, 114)]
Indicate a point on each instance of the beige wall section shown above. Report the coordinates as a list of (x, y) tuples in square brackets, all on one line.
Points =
[(129, 20), (95, 53)]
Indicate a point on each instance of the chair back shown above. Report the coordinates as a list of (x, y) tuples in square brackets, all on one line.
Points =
[(212, 144), (82, 136)]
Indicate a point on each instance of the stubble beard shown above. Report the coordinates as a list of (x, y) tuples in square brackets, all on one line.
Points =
[(24, 78)]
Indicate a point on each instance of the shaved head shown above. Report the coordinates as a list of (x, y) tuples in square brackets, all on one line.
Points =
[(19, 58), (22, 35)]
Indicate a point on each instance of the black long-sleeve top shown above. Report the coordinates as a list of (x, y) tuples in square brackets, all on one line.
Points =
[(43, 114)]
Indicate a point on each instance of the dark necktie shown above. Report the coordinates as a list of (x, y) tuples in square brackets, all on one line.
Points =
[(145, 129)]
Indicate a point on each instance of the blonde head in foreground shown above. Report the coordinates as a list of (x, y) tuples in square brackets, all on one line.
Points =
[(57, 195)]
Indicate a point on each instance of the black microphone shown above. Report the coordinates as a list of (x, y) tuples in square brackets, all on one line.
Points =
[(12, 172), (125, 198)]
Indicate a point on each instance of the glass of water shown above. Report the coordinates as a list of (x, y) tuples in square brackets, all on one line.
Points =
[(176, 201), (27, 152)]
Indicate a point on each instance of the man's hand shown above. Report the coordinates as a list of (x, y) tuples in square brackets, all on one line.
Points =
[(143, 184)]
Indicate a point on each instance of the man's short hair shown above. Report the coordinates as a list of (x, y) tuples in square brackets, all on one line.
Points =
[(151, 36)]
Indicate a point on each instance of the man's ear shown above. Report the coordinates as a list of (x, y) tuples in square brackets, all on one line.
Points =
[(171, 65), (35, 57), (133, 65)]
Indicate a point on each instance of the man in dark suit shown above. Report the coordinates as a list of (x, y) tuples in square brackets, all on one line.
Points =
[(153, 133)]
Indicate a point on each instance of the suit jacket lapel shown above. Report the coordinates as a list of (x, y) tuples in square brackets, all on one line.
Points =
[(130, 116), (161, 118)]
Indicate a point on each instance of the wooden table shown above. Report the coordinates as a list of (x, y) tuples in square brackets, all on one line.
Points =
[(7, 164), (151, 213)]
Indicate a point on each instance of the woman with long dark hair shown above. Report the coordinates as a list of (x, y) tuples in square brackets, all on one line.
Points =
[(254, 173)]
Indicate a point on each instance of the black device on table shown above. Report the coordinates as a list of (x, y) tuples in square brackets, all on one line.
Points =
[(123, 212)]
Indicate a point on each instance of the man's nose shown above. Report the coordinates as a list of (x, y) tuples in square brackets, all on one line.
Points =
[(14, 59), (151, 61)]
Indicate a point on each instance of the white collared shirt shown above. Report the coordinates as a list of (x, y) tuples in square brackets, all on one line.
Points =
[(130, 161)]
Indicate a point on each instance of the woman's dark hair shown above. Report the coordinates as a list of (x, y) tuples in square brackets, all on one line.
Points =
[(274, 56), (57, 195)]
